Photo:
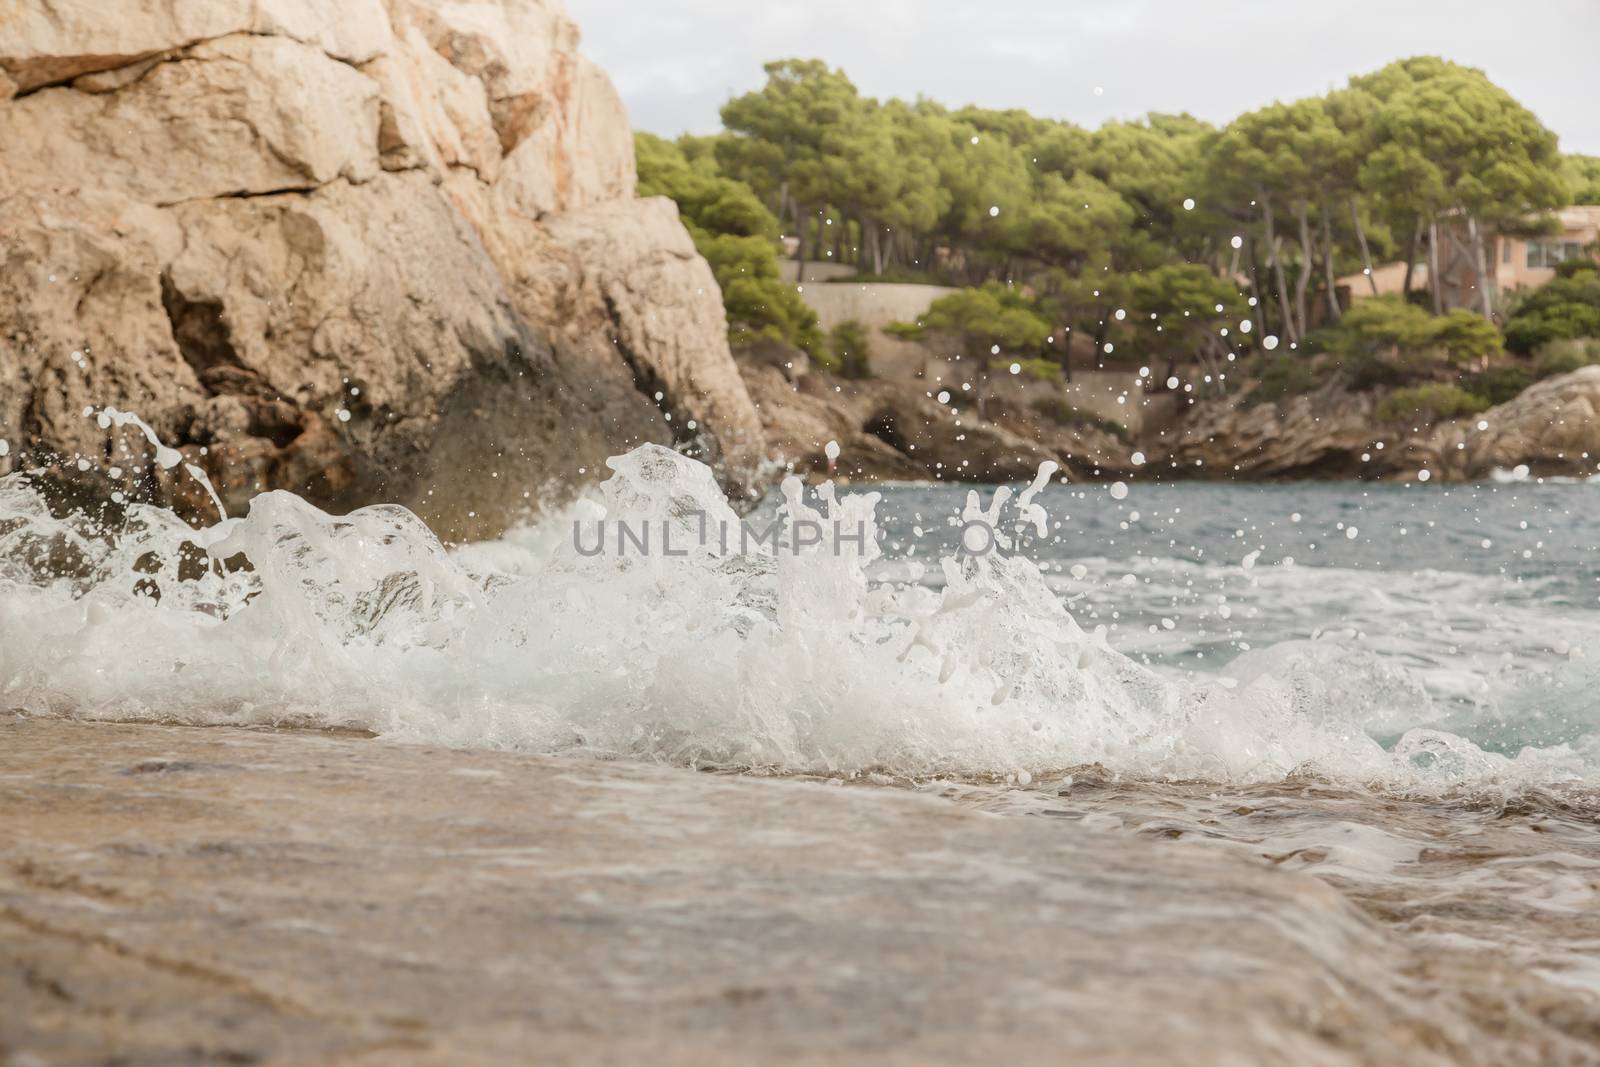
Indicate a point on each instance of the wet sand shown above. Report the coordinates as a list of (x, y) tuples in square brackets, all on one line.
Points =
[(173, 895)]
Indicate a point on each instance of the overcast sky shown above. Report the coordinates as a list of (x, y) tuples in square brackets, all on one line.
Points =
[(677, 61)]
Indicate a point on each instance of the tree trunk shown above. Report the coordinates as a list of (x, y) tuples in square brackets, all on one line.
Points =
[(1303, 282), (1255, 292), (1277, 270), (1366, 254), (1411, 260), (1334, 310), (1481, 268), (799, 242), (1435, 283)]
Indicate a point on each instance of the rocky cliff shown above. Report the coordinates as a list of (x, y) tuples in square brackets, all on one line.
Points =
[(1551, 429), (891, 431), (362, 249)]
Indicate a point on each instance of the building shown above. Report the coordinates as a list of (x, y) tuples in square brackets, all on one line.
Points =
[(1519, 263)]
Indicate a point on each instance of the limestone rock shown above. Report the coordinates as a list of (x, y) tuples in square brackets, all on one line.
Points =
[(447, 127), (373, 314), (885, 431), (583, 157), (1553, 427), (83, 322), (238, 115), (1305, 436), (47, 43), (669, 323), (377, 250), (521, 50)]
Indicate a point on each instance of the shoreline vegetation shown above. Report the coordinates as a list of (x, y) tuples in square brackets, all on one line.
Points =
[(1157, 298)]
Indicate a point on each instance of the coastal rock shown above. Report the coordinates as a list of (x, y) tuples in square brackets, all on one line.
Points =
[(1322, 434), (372, 315), (236, 116), (363, 252), (522, 52), (80, 285), (583, 157), (667, 314), (174, 894), (886, 431), (1552, 428), (449, 126), (50, 43)]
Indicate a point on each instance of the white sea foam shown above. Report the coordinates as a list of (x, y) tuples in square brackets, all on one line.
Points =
[(786, 659)]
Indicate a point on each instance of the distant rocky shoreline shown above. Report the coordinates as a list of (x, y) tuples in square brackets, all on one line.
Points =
[(894, 431)]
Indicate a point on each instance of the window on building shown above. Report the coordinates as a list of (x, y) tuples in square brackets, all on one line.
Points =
[(1549, 253), (1505, 251)]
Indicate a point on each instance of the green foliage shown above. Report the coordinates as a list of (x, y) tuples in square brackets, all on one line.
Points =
[(1427, 404), (1287, 375), (1406, 336), (1445, 136), (780, 129), (1566, 355), (852, 347), (1499, 384), (1087, 223), (706, 199), (979, 319), (1186, 302), (1582, 174), (758, 302), (1382, 323), (736, 234), (1037, 368), (1466, 337), (1567, 307)]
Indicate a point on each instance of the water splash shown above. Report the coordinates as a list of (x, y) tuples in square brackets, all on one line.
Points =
[(784, 658)]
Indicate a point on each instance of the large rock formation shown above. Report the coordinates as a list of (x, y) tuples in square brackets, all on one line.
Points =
[(1551, 429), (375, 249), (888, 431)]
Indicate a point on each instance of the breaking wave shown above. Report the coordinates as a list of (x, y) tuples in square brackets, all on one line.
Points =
[(767, 656)]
